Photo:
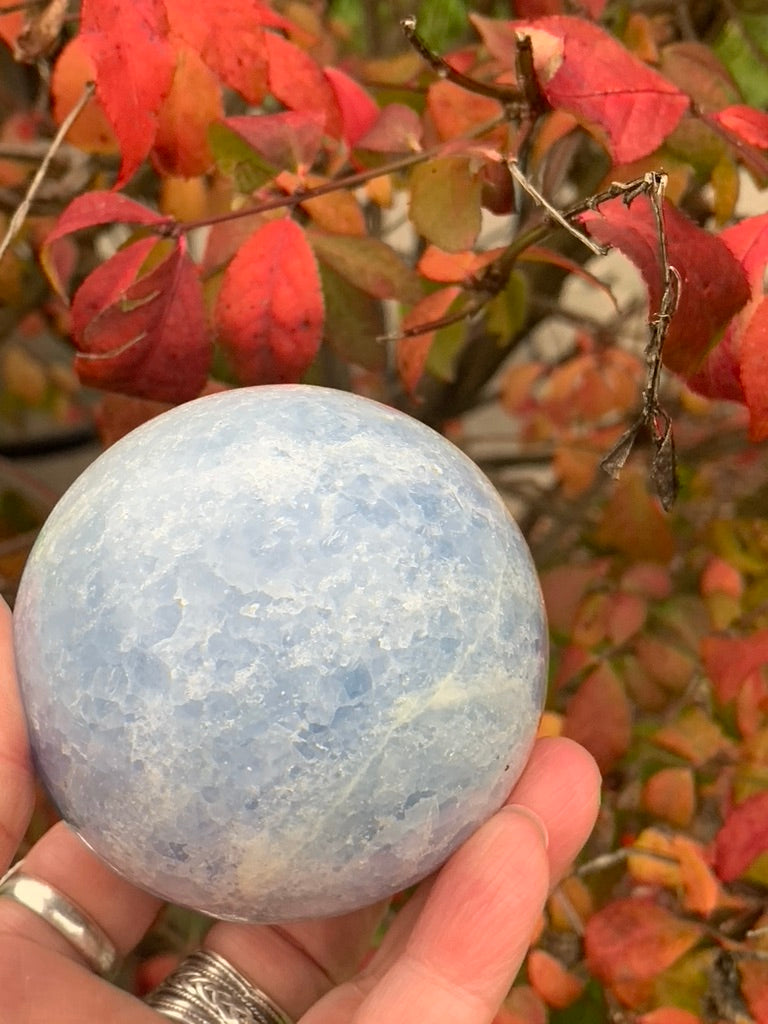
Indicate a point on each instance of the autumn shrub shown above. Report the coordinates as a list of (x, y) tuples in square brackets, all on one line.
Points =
[(253, 193)]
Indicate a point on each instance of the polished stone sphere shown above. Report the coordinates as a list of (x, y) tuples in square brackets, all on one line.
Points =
[(281, 650)]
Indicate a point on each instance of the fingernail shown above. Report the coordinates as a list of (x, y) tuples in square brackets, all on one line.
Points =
[(526, 812)]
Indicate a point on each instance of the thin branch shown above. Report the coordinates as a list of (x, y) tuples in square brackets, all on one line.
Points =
[(553, 214), (335, 185), (22, 211), (503, 93)]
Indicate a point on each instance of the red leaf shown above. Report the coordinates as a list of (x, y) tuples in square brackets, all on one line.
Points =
[(729, 660), (746, 123), (359, 110), (152, 341), (270, 307), (90, 210), (754, 371), (743, 837), (107, 283), (713, 285), (134, 62), (586, 72), (229, 36), (599, 717), (630, 941), (288, 140), (298, 82), (721, 374)]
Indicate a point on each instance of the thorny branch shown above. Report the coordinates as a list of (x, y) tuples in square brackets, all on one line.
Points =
[(651, 418)]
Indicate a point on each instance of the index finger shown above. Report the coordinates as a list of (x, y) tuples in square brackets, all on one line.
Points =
[(17, 790)]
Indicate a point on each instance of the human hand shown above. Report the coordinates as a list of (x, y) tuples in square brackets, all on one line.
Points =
[(450, 956)]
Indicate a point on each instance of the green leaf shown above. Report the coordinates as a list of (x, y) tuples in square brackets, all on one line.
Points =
[(354, 321), (589, 1008), (445, 202), (237, 160), (369, 264), (505, 313), (442, 22), (446, 348), (736, 49)]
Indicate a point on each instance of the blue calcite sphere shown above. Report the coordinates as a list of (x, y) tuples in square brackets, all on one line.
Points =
[(281, 650)]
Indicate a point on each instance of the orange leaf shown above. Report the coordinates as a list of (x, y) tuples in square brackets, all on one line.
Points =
[(671, 794), (456, 112), (729, 660), (91, 132), (633, 523), (695, 737), (449, 267), (701, 888), (599, 717), (669, 1015), (194, 102), (412, 352), (270, 308), (338, 212), (630, 941), (651, 860), (743, 837), (720, 577), (571, 897), (518, 384), (557, 986)]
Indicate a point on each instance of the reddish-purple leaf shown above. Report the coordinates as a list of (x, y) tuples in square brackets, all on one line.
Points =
[(269, 312), (358, 108), (287, 141), (586, 72), (152, 341), (743, 837), (91, 210), (397, 129), (127, 41), (713, 286)]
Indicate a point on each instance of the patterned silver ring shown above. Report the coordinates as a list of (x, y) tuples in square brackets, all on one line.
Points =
[(82, 933), (206, 989)]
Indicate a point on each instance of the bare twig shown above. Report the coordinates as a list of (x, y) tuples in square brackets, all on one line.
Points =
[(503, 93), (23, 208), (552, 213)]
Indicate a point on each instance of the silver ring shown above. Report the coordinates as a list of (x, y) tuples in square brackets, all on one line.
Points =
[(82, 933), (206, 989)]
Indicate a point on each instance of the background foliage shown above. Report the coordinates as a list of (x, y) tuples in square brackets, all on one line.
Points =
[(270, 192)]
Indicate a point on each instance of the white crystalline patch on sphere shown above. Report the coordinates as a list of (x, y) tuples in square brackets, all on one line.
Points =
[(281, 650)]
